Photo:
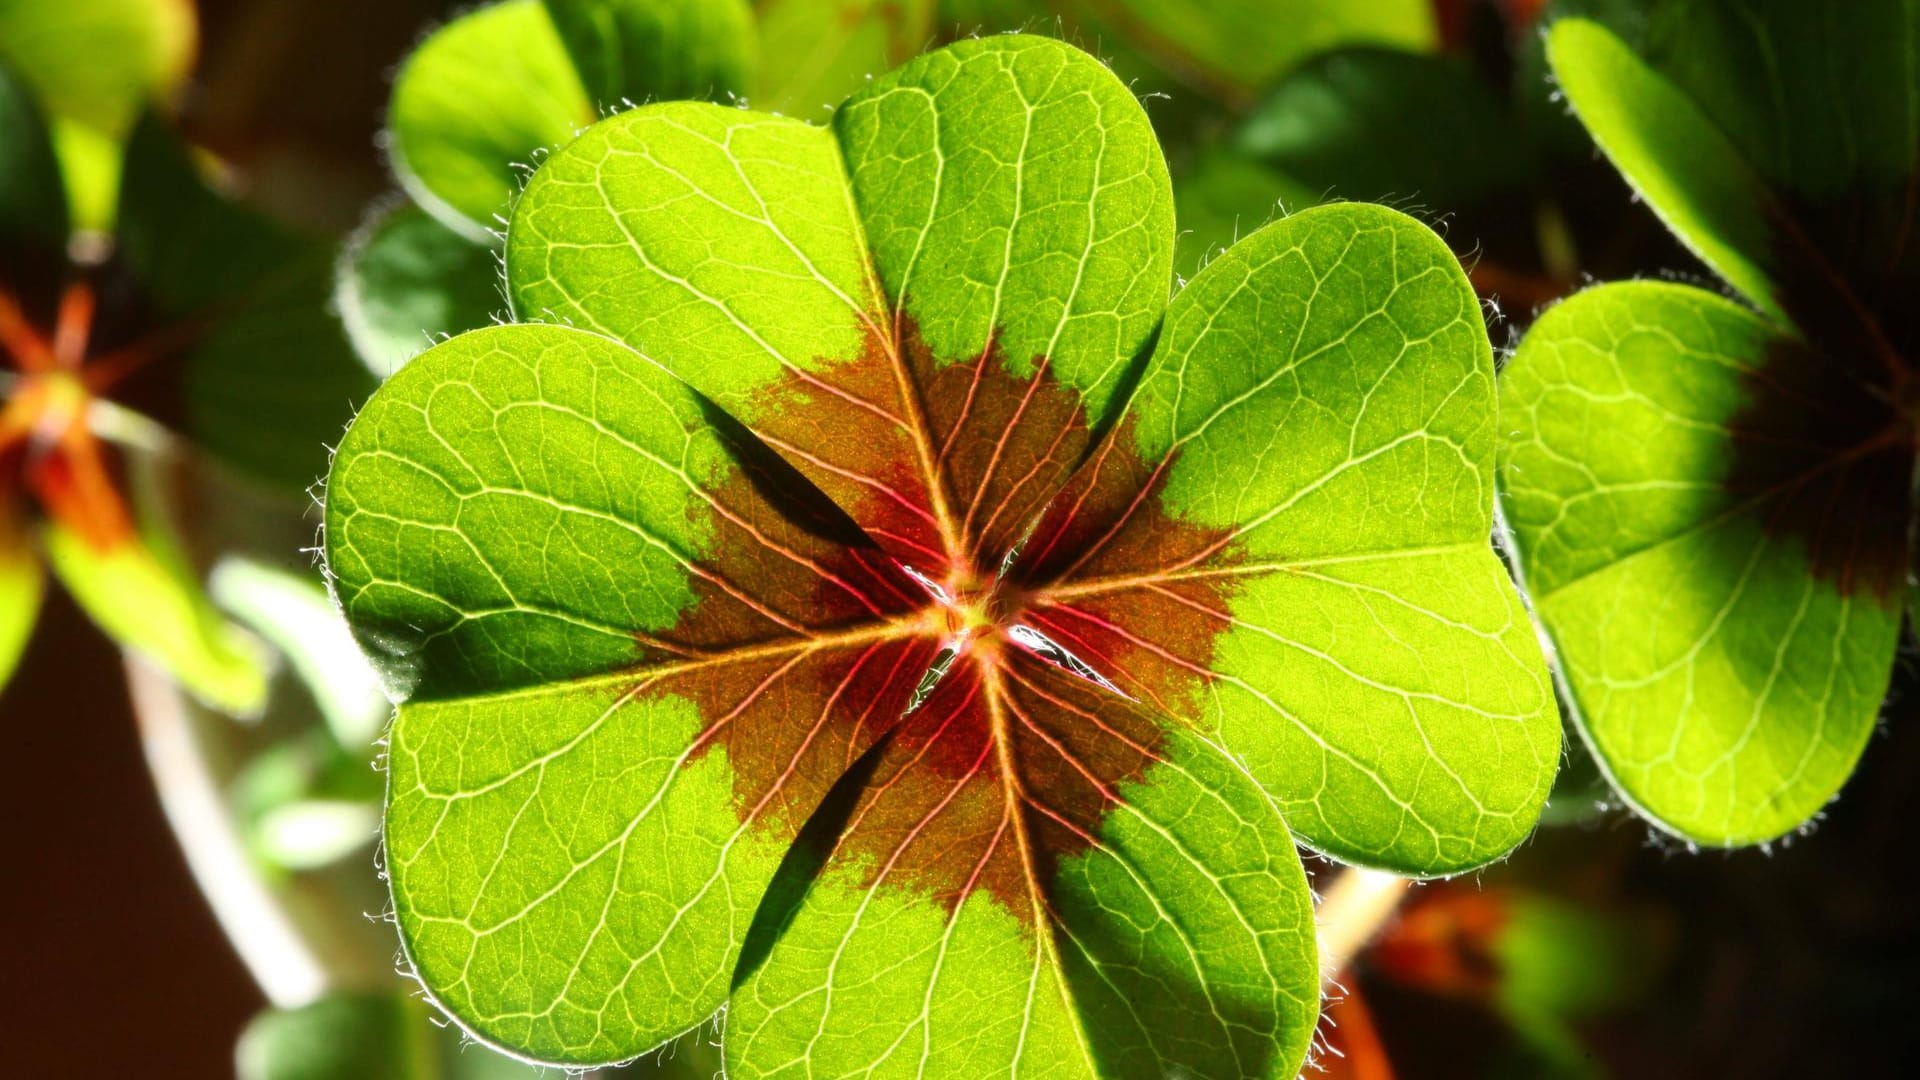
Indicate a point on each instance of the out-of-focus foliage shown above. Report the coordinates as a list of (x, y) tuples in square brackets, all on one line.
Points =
[(97, 65)]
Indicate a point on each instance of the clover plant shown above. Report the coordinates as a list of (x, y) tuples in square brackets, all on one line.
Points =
[(852, 594), (1712, 496)]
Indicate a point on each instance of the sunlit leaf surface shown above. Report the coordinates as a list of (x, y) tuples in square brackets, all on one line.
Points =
[(1711, 503), (869, 603)]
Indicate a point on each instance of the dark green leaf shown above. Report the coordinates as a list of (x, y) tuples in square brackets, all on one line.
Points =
[(405, 281)]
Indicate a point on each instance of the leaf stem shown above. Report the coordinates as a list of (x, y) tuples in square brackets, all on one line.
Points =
[(289, 971), (1355, 908)]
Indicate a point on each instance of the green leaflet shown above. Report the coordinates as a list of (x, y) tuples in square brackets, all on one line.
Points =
[(405, 280), (1320, 410), (1711, 507), (495, 87), (1180, 943), (666, 505), (1726, 639), (892, 633)]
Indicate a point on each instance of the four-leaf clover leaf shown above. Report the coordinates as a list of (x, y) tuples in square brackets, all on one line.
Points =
[(854, 595)]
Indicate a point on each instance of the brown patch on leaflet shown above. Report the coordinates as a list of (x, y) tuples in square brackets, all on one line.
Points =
[(949, 811), (848, 430), (998, 444), (1129, 588), (1012, 762), (1828, 463), (1005, 443), (792, 720)]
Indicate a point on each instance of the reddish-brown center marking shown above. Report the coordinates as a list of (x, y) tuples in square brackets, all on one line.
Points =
[(1033, 699), (1002, 701)]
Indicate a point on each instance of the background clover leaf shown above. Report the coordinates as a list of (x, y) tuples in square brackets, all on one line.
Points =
[(494, 86), (1711, 505), (405, 280), (892, 678)]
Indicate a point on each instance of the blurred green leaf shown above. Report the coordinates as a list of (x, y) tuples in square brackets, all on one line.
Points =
[(21, 583), (1370, 124), (487, 92), (479, 97), (405, 280), (1233, 48), (33, 204), (394, 1036), (642, 50), (140, 592), (1223, 195), (813, 53), (311, 833), (270, 378), (97, 64), (293, 614), (341, 1037), (1686, 167)]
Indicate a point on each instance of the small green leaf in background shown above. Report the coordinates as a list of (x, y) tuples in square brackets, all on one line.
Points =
[(1712, 505), (364, 1036), (292, 613), (140, 591), (22, 581), (1235, 48), (33, 202), (496, 86), (1364, 123), (810, 619), (406, 280), (388, 1036), (269, 375), (97, 65)]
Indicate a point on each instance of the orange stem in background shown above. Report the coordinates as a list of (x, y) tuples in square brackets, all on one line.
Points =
[(28, 350), (1356, 1038), (73, 325), (104, 372)]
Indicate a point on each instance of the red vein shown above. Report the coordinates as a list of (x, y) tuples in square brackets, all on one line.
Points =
[(1089, 716)]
